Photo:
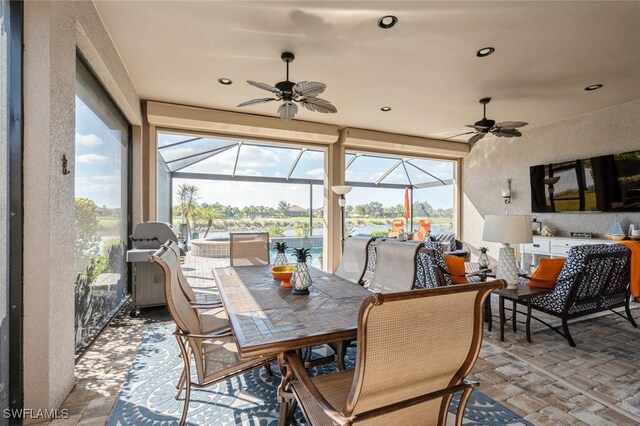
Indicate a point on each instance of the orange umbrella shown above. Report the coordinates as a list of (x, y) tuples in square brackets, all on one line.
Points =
[(407, 204)]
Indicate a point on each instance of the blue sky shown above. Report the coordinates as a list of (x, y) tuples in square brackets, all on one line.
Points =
[(98, 159)]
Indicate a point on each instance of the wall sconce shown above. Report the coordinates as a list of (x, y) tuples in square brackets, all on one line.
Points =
[(506, 193)]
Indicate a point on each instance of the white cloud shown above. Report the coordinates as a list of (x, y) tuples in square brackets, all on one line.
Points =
[(316, 173), (92, 159), (88, 140), (248, 172)]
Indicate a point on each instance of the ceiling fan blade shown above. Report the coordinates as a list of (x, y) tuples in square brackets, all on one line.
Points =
[(511, 124), (287, 110), (264, 86), (475, 138), (257, 101), (309, 88), (318, 105), (475, 127), (506, 133), (455, 136)]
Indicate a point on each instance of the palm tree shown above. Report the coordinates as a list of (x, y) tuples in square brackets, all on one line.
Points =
[(187, 196), (209, 214)]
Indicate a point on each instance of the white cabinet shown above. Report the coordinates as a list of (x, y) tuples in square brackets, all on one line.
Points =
[(552, 247)]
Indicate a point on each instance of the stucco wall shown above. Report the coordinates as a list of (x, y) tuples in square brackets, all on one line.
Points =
[(491, 162), (53, 32)]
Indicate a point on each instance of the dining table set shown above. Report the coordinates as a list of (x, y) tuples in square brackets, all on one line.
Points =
[(267, 319)]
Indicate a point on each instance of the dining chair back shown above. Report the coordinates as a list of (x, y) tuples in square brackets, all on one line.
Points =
[(395, 267), (415, 350), (215, 355), (249, 248), (354, 259)]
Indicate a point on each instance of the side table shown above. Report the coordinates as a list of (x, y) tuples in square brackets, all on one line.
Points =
[(520, 295), (472, 269)]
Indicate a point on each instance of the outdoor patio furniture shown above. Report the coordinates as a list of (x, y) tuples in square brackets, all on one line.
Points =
[(354, 259), (215, 356), (395, 267), (415, 349), (397, 225), (249, 248), (595, 278)]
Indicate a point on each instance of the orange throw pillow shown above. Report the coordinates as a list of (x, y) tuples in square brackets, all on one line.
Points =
[(455, 265), (546, 274)]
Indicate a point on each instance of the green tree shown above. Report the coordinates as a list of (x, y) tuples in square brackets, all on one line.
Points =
[(283, 208), (187, 196), (208, 214), (87, 237)]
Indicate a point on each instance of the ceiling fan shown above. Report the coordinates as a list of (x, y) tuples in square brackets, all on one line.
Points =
[(505, 129), (304, 92)]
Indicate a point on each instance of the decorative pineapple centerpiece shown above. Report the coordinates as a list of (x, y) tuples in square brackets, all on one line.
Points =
[(483, 259), (281, 257), (301, 279)]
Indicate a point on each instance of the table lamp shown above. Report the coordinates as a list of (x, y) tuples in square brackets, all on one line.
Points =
[(507, 229), (342, 190)]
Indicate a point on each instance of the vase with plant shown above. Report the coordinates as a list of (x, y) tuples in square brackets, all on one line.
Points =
[(281, 257), (301, 279), (483, 259)]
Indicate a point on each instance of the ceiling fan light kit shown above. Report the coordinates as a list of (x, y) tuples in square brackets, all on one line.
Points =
[(304, 93)]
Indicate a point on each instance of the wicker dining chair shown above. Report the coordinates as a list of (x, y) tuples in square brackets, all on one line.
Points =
[(415, 349), (214, 355), (395, 267), (249, 248), (354, 259)]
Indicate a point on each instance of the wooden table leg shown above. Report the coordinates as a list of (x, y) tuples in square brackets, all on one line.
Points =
[(513, 317), (501, 309), (488, 315), (284, 394), (529, 320)]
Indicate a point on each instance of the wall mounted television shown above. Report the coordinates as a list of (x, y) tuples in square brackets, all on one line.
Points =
[(609, 183)]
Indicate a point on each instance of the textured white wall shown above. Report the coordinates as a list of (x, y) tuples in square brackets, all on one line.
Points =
[(491, 162), (53, 31)]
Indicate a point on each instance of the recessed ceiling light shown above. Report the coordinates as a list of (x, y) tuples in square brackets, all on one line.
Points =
[(385, 109), (225, 81), (387, 22), (593, 87), (485, 51)]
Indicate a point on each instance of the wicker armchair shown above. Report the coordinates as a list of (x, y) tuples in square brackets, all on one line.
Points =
[(249, 248), (439, 332), (395, 267), (215, 356), (355, 253), (595, 278)]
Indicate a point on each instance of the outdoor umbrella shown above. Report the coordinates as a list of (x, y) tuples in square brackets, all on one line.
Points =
[(407, 205)]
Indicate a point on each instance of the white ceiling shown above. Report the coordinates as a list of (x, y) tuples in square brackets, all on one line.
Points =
[(425, 67)]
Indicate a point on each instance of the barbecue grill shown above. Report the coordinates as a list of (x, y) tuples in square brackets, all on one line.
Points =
[(148, 278)]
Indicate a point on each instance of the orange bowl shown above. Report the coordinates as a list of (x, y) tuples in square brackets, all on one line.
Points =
[(283, 273)]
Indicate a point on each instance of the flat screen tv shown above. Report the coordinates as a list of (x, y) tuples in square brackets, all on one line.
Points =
[(609, 183)]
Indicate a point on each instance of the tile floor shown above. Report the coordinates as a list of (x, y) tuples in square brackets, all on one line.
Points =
[(547, 382)]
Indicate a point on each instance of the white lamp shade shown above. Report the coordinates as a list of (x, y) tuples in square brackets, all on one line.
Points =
[(507, 229), (341, 189)]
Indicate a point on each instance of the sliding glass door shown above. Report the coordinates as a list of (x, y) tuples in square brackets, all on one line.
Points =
[(101, 190), (10, 208)]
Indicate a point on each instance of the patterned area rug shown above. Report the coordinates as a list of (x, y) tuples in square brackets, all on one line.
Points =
[(147, 396)]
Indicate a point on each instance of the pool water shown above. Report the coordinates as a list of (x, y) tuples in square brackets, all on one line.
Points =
[(314, 261)]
